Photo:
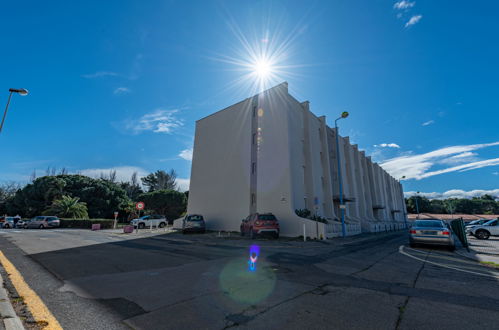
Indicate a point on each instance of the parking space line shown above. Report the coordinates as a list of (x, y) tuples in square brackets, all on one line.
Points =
[(401, 250), (34, 303)]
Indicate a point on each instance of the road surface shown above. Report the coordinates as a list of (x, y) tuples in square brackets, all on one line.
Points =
[(97, 280)]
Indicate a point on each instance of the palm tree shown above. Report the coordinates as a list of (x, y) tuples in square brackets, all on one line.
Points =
[(68, 207)]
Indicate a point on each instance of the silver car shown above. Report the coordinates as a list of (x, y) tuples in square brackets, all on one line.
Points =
[(433, 232), (193, 223), (490, 228), (43, 222)]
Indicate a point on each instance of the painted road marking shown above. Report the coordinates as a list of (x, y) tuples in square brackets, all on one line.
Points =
[(35, 305), (401, 250)]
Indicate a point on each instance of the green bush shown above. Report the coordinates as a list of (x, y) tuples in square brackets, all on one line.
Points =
[(304, 213), (87, 223)]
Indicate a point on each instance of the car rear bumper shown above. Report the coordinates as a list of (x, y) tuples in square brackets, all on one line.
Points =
[(431, 240), (267, 231), (194, 229)]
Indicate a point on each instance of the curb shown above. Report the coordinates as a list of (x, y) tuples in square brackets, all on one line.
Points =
[(10, 319)]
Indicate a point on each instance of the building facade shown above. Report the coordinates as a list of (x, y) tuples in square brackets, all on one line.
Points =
[(270, 153)]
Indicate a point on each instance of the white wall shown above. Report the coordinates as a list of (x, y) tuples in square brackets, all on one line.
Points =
[(219, 187)]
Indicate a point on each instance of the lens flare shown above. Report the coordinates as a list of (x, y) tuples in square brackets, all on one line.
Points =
[(254, 253), (243, 283)]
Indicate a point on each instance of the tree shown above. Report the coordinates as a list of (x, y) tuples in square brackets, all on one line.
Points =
[(101, 196), (160, 180), (450, 205), (423, 204), (7, 192), (132, 191), (68, 207), (170, 203)]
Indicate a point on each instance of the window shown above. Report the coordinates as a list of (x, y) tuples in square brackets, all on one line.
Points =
[(253, 139), (254, 111), (253, 199), (253, 168)]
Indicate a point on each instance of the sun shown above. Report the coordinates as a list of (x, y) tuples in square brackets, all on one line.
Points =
[(263, 69), (261, 57)]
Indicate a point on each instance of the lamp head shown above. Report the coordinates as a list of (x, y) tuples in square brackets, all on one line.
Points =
[(344, 114), (20, 91)]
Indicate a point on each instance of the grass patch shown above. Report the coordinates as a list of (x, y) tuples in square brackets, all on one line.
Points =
[(490, 263)]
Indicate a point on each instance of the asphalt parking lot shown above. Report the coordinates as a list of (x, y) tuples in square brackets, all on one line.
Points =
[(92, 280)]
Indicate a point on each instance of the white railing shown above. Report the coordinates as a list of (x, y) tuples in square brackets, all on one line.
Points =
[(334, 229)]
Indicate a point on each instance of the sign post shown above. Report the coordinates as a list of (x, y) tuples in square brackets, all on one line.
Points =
[(316, 204), (139, 206), (115, 219)]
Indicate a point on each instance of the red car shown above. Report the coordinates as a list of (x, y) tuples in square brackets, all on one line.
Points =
[(260, 224)]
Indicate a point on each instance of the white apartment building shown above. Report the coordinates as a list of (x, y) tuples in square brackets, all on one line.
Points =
[(270, 153)]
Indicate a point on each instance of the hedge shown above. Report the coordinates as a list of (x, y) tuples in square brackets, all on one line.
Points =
[(86, 224)]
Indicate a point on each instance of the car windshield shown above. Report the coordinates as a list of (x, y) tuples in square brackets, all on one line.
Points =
[(39, 218), (429, 223), (195, 218), (474, 222), (490, 223), (266, 217), (145, 217)]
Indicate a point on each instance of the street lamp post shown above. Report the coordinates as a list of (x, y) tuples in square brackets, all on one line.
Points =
[(417, 206), (20, 91), (342, 206)]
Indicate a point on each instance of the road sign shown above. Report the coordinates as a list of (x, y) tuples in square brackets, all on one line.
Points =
[(343, 206), (140, 206), (115, 215)]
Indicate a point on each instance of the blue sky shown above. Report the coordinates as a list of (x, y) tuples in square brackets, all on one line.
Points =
[(120, 84)]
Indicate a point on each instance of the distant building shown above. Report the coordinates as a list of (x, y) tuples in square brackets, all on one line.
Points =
[(269, 153)]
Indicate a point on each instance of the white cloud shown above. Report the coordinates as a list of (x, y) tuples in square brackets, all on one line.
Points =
[(418, 166), (121, 90), (454, 193), (186, 154), (460, 158), (495, 173), (183, 184), (413, 20), (159, 121), (99, 74), (387, 145), (429, 122), (403, 4), (123, 173)]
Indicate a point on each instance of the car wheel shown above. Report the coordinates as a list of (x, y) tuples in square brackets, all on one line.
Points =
[(142, 225), (482, 234), (25, 226), (276, 235), (6, 226), (413, 245), (162, 225), (41, 227), (452, 248), (242, 232)]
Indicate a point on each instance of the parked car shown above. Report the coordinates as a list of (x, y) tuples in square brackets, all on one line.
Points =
[(7, 222), (476, 223), (193, 223), (490, 228), (43, 222), (22, 223), (433, 232), (260, 224), (145, 221)]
